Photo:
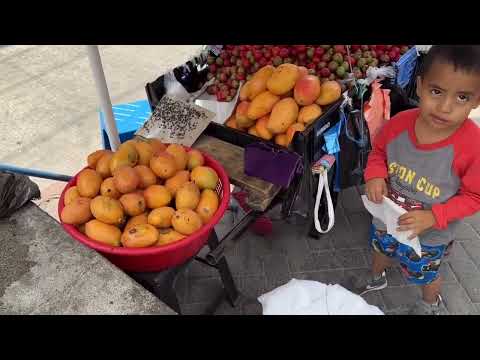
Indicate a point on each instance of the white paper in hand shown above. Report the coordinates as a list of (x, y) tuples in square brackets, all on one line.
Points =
[(389, 212)]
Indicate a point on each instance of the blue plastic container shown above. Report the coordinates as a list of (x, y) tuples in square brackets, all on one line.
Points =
[(129, 118)]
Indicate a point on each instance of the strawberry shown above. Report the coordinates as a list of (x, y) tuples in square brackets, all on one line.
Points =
[(284, 52), (319, 52)]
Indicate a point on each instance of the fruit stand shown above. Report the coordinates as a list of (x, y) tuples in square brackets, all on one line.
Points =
[(150, 206)]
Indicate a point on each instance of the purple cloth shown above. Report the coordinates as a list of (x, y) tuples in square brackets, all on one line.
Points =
[(271, 164)]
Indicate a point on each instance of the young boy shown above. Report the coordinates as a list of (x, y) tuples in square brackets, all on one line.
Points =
[(428, 161)]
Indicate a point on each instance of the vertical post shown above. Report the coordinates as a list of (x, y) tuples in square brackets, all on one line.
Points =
[(102, 90)]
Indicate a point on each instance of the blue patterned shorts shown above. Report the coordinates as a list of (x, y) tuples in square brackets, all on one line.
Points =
[(421, 271)]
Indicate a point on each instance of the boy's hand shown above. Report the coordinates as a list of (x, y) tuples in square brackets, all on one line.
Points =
[(417, 221), (376, 189)]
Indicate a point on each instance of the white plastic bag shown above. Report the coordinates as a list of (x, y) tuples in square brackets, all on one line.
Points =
[(306, 297)]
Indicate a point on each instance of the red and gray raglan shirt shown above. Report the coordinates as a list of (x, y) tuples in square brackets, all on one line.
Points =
[(443, 177)]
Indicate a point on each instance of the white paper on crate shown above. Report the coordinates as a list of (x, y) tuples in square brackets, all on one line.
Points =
[(176, 121), (222, 110)]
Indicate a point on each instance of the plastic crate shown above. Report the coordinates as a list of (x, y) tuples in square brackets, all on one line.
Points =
[(129, 118)]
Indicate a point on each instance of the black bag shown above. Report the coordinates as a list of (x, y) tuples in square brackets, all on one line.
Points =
[(15, 191)]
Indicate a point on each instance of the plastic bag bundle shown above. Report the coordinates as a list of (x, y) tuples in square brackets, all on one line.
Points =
[(15, 191)]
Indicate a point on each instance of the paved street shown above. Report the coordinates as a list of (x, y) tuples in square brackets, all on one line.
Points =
[(49, 120)]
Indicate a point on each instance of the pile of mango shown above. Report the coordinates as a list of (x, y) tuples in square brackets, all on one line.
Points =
[(277, 102), (144, 194)]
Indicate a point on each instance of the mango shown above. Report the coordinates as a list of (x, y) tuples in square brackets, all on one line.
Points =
[(161, 217), (108, 189), (126, 155), (126, 179), (307, 90), (207, 205), (157, 146), (292, 129), (262, 105), (157, 196), (107, 210), (256, 87), (195, 158), (146, 176), (188, 196), (93, 158), (145, 152), (186, 221), (104, 233), (179, 154), (134, 204), (88, 183), (136, 220), (284, 114), (232, 122), (204, 177), (261, 128), (302, 71), (281, 139), (241, 118), (283, 79), (141, 235), (244, 91), (264, 72), (330, 92), (253, 131), (176, 181), (167, 236), (77, 212), (103, 165), (309, 114), (70, 195), (163, 165)]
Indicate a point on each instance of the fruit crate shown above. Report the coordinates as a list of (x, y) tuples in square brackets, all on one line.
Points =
[(308, 144)]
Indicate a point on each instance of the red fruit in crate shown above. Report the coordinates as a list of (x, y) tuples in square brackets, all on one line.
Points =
[(220, 96), (311, 66), (226, 62), (380, 53), (239, 63), (233, 60), (229, 82), (340, 49), (319, 51), (242, 48), (310, 52), (267, 54), (270, 62), (322, 64), (388, 47), (392, 54), (301, 49), (275, 51), (302, 56), (381, 47), (327, 58), (293, 52), (354, 48), (243, 54), (325, 72), (316, 60), (351, 60), (236, 52), (223, 77), (233, 92), (396, 49), (213, 68), (258, 55), (373, 54), (385, 58), (404, 49), (263, 62), (258, 46), (240, 76), (235, 84), (277, 61), (212, 90), (245, 63), (284, 52), (364, 47)]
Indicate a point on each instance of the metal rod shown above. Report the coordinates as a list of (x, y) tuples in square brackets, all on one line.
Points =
[(102, 90), (34, 172), (228, 240)]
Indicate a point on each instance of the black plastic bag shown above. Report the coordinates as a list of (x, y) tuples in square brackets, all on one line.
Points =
[(15, 191)]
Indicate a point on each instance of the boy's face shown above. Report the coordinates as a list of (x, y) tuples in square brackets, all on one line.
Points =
[(447, 96)]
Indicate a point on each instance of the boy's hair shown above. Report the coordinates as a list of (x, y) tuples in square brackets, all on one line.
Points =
[(462, 57)]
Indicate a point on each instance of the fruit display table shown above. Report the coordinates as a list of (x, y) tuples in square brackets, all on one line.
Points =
[(44, 271)]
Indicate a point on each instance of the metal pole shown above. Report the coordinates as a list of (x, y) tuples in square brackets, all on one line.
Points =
[(102, 89), (34, 172)]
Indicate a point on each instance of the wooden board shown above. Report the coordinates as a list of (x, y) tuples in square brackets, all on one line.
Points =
[(260, 193)]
